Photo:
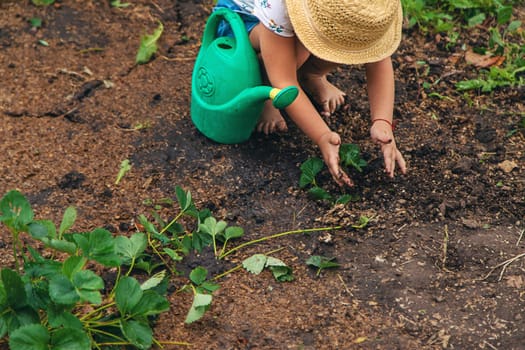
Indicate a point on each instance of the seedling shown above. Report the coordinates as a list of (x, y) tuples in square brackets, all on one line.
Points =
[(350, 157), (202, 298), (321, 262), (148, 45), (362, 223), (125, 166)]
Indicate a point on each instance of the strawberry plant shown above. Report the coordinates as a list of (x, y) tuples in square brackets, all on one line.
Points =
[(350, 158), (51, 303)]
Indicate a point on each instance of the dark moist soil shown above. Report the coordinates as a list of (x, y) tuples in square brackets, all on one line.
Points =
[(69, 113)]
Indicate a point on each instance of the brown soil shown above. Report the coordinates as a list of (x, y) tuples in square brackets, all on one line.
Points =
[(68, 113)]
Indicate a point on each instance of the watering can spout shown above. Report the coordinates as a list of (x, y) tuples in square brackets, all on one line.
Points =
[(256, 95)]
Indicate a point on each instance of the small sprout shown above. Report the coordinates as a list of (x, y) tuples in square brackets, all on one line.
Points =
[(43, 42), (148, 45), (35, 22), (125, 166), (363, 221), (118, 4)]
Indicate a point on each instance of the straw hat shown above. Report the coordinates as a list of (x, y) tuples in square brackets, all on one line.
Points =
[(347, 31)]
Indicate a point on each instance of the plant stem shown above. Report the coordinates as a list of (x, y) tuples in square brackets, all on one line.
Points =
[(277, 235), (172, 222)]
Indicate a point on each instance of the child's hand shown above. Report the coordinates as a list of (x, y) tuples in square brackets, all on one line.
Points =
[(383, 135), (329, 144)]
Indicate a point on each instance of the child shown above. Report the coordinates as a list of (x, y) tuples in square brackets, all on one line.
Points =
[(300, 41)]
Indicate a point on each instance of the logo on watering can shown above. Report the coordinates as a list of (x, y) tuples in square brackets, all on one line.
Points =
[(205, 82)]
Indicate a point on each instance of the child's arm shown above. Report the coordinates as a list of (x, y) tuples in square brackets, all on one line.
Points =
[(281, 57), (380, 83)]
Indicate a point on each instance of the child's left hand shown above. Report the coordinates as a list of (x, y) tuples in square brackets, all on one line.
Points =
[(382, 134)]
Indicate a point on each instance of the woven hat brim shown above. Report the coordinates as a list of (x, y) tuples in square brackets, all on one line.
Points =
[(334, 52)]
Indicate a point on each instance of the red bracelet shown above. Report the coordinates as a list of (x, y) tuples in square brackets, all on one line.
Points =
[(391, 123)]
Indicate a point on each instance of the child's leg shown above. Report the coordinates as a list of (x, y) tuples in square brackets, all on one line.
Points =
[(271, 119), (312, 76)]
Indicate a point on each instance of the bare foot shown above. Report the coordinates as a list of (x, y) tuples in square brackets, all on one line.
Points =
[(324, 93), (271, 120)]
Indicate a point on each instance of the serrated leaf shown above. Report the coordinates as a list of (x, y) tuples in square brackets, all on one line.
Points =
[(318, 193), (43, 230), (15, 294), (15, 211), (127, 294), (282, 273), (29, 337), (125, 166), (255, 263), (153, 281), (148, 45), (151, 303), (62, 291), (69, 218), (138, 333), (198, 275), (131, 248), (271, 261), (69, 338), (233, 232), (201, 302), (72, 265), (309, 170)]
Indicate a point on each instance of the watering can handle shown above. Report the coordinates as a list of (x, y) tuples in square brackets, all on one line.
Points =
[(236, 23)]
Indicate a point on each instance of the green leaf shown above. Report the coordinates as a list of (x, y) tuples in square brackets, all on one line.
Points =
[(125, 166), (59, 317), (309, 170), (35, 22), (118, 4), (70, 215), (15, 293), (16, 211), (68, 338), (184, 198), (209, 286), (282, 273), (504, 14), (151, 303), (43, 230), (318, 193), (63, 246), (363, 221), (42, 2), (154, 280), (201, 303), (350, 155), (98, 245), (255, 263), (127, 294), (88, 280), (62, 291), (72, 265), (476, 19), (343, 199), (212, 227), (198, 275), (131, 248), (29, 337), (172, 254), (321, 262), (233, 232), (148, 45), (138, 333)]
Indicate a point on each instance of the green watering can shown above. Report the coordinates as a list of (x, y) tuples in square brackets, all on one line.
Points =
[(227, 94)]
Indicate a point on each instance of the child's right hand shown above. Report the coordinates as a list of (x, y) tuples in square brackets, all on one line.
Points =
[(329, 144)]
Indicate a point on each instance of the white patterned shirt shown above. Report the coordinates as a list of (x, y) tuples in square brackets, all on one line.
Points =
[(272, 14)]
